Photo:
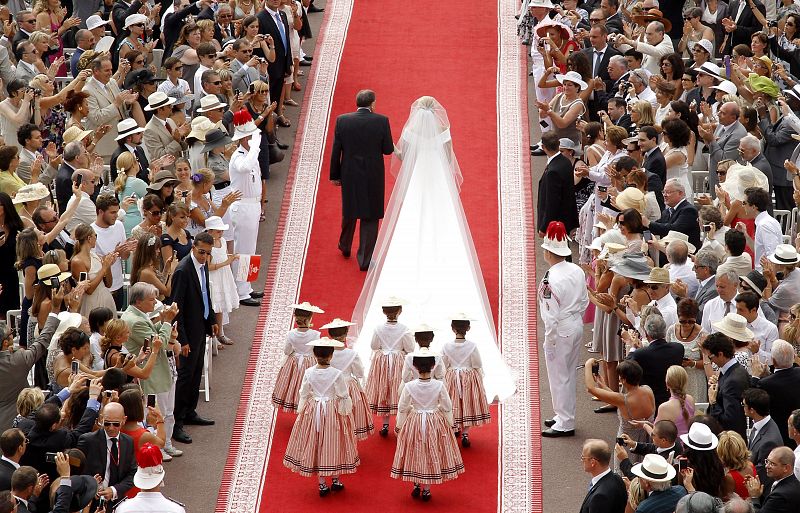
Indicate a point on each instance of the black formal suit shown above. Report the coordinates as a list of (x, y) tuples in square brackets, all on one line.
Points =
[(599, 99), (696, 95), (782, 404), (23, 508), (642, 449), (279, 69), (360, 141), (192, 330), (95, 447), (41, 442), (556, 200), (608, 495), (655, 163), (760, 445), (624, 121), (654, 360), (140, 156), (63, 185), (655, 184), (6, 471), (783, 498), (614, 23), (682, 218), (19, 37), (746, 24), (173, 23), (728, 408)]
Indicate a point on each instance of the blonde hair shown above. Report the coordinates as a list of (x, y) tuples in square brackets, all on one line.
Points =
[(259, 86), (38, 35), (81, 233), (55, 256), (677, 378), (206, 177), (732, 451), (636, 494), (125, 162), (204, 25), (29, 401), (114, 328), (790, 332), (38, 80), (645, 110)]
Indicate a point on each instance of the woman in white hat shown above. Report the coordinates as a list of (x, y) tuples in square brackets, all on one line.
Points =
[(322, 441), (427, 452), (423, 336), (348, 361), (700, 445), (566, 107), (134, 30), (299, 357), (731, 195), (224, 297)]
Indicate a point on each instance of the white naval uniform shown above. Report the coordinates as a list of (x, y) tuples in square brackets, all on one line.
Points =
[(245, 174), (149, 502), (562, 313)]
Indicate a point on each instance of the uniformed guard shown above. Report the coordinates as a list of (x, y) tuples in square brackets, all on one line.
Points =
[(563, 298), (149, 478)]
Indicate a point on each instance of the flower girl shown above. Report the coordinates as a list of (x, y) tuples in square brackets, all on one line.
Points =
[(299, 357), (390, 344), (347, 361), (224, 297), (322, 440), (423, 335)]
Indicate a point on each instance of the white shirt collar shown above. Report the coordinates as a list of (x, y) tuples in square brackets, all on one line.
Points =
[(25, 502), (602, 50), (703, 283), (14, 463), (731, 362), (761, 423), (271, 12), (549, 159), (600, 476)]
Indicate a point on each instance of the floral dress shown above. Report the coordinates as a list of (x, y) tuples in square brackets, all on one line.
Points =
[(53, 126)]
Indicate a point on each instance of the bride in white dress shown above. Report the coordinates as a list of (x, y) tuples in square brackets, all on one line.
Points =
[(424, 251)]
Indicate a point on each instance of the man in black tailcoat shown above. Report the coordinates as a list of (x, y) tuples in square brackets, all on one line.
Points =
[(273, 21), (360, 141)]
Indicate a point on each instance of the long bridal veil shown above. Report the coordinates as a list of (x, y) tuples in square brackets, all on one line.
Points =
[(424, 253)]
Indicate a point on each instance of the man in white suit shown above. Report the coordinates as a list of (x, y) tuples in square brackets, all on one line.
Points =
[(107, 105), (243, 67), (161, 135), (654, 45)]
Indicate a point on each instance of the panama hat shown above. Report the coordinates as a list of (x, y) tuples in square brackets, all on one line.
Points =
[(556, 240), (674, 235), (68, 320), (655, 469), (157, 100), (135, 19), (163, 178), (210, 102), (201, 125), (741, 177), (216, 223), (734, 326), (393, 301), (337, 323), (610, 248), (48, 271), (726, 86), (306, 307), (700, 437), (181, 97), (75, 133), (658, 276), (706, 45), (634, 266), (541, 3), (755, 280), (568, 144), (150, 472), (216, 138), (652, 15), (631, 197), (126, 127), (94, 21), (461, 316), (709, 68), (422, 328), (785, 254), (325, 342), (574, 77), (32, 192), (795, 92)]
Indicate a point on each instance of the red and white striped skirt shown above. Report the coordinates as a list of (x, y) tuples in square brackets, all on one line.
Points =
[(362, 417), (383, 383), (427, 451), (286, 394), (322, 442), (466, 390)]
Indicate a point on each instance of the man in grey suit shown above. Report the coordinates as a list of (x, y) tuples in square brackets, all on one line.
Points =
[(750, 150), (26, 56), (778, 147), (29, 137), (244, 66), (705, 269), (764, 435), (107, 105), (161, 135), (7, 70), (723, 143)]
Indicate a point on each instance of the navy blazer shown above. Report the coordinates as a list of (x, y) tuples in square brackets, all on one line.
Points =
[(683, 219), (608, 495), (655, 163), (556, 201), (654, 360), (781, 404), (728, 409), (784, 498)]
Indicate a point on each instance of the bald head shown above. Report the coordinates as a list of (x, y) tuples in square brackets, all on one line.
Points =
[(677, 252), (728, 113)]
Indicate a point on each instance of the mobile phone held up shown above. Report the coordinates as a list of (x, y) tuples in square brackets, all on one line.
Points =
[(596, 368), (75, 366), (151, 400), (620, 441)]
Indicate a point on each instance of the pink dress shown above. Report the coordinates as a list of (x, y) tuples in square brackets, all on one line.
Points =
[(347, 361), (390, 344), (299, 357), (464, 381)]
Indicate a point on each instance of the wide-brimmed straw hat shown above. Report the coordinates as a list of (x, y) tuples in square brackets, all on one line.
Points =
[(700, 438), (75, 133), (157, 100), (325, 342), (658, 276), (126, 127), (32, 192), (610, 249), (652, 15), (734, 326), (216, 223), (742, 176), (655, 469), (631, 265), (201, 125), (337, 323), (631, 197), (574, 77), (210, 102), (307, 307), (49, 271), (541, 28), (422, 328), (391, 301), (785, 254), (756, 281), (674, 235)]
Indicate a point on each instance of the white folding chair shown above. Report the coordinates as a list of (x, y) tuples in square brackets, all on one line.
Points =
[(785, 218), (158, 57), (793, 227), (206, 388)]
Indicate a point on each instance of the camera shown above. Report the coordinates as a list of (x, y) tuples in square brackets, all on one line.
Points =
[(706, 228), (772, 23), (596, 368), (151, 400), (75, 366), (602, 188), (50, 457), (540, 44), (54, 283), (620, 441)]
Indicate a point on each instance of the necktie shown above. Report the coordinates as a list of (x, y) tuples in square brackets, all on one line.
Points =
[(727, 307), (203, 291), (670, 211), (279, 22), (753, 433), (598, 56), (113, 468), (169, 128)]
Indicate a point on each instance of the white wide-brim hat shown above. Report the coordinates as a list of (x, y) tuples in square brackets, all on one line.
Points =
[(210, 102), (558, 247), (742, 176), (785, 254), (422, 328), (68, 320), (393, 301), (709, 68), (94, 21), (147, 478), (157, 100), (307, 307), (325, 342), (700, 438), (216, 223), (75, 133), (574, 77), (201, 125), (242, 131), (734, 326), (541, 3), (133, 19), (655, 469), (673, 236), (337, 323), (706, 45), (32, 192), (424, 352), (726, 86), (126, 127)]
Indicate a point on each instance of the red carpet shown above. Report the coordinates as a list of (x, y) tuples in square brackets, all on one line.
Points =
[(402, 50)]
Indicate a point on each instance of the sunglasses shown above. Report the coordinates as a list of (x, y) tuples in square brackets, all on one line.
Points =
[(107, 423), (140, 25), (687, 321), (203, 252), (654, 287), (218, 82), (722, 173), (155, 212)]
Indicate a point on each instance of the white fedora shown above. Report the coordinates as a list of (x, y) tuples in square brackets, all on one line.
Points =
[(94, 21), (423, 352), (216, 223), (126, 127), (307, 307), (393, 301), (709, 68), (157, 100), (673, 236), (210, 102), (785, 254), (734, 326), (700, 438), (574, 77), (655, 469)]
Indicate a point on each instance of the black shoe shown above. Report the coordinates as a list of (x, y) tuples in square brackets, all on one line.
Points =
[(250, 302), (286, 146), (426, 495), (458, 434), (384, 432), (552, 433), (305, 63), (197, 420), (550, 422), (314, 8), (179, 435), (465, 443), (324, 490), (537, 152), (256, 295), (345, 252), (337, 485), (605, 409), (309, 58), (363, 268), (416, 491)]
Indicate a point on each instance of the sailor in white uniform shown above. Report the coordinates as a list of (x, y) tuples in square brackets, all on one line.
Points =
[(563, 298), (149, 478), (245, 175)]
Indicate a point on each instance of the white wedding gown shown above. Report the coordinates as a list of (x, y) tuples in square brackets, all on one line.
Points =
[(425, 253)]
